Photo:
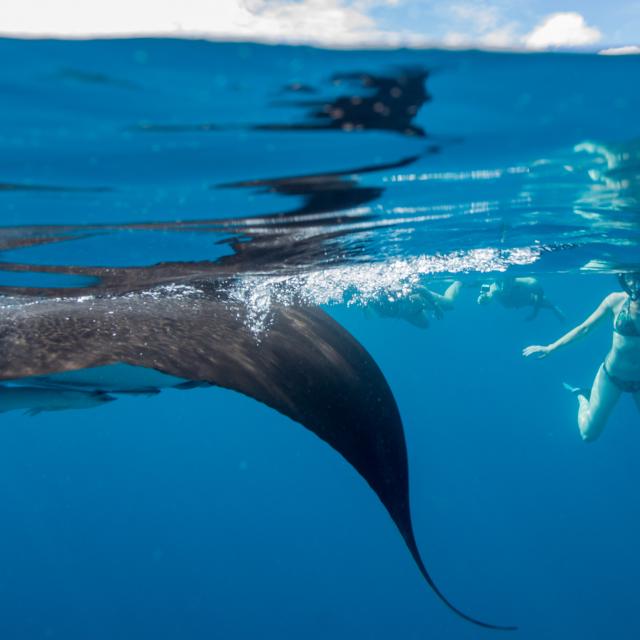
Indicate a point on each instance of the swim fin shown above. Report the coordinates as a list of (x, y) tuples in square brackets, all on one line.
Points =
[(577, 391)]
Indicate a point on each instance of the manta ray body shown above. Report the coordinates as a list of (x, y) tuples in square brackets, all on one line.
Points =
[(115, 330), (62, 352)]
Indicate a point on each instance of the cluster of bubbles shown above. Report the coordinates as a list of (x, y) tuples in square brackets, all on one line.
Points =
[(361, 284)]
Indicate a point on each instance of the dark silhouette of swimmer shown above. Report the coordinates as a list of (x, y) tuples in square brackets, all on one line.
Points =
[(515, 293)]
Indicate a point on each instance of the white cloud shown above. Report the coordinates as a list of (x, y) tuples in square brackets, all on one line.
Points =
[(479, 24), (500, 38), (620, 51), (322, 22), (483, 23), (335, 23), (480, 17), (568, 29)]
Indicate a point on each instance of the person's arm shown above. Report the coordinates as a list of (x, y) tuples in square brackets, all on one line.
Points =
[(581, 330)]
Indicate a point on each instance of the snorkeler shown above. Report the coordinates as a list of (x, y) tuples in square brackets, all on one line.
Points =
[(418, 306), (514, 293), (620, 371)]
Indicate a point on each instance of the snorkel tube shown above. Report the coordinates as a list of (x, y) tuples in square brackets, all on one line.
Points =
[(632, 291)]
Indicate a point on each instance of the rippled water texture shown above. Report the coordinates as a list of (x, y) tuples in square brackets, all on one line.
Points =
[(379, 166)]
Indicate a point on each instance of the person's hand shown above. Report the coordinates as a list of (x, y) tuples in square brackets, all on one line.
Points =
[(536, 350)]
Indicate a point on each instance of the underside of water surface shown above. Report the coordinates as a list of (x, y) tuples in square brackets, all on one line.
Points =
[(363, 242)]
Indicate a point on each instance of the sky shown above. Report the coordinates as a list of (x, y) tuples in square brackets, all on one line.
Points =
[(610, 27)]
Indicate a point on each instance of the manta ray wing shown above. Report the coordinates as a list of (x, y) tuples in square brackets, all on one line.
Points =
[(306, 366)]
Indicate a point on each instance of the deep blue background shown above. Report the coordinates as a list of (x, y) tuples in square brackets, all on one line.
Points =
[(201, 513)]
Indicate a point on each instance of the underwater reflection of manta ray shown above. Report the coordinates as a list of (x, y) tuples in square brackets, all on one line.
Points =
[(306, 366), (372, 102), (271, 240)]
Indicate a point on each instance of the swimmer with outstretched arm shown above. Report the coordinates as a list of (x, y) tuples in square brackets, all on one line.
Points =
[(514, 293), (620, 371)]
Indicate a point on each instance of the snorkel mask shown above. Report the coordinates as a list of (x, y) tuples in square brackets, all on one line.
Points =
[(631, 288)]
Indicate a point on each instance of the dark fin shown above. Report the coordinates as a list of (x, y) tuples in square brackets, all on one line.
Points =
[(305, 365)]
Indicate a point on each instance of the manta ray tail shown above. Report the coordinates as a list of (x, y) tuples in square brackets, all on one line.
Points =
[(306, 366), (413, 549)]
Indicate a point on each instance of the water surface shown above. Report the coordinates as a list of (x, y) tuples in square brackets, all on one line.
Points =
[(301, 177)]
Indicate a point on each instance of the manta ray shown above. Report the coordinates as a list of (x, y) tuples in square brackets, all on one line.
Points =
[(120, 330), (56, 353)]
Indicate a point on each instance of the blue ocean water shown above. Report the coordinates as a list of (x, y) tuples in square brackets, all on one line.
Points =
[(335, 179)]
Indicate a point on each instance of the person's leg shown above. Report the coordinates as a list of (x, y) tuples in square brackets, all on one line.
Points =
[(445, 301), (593, 412), (453, 291)]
